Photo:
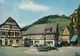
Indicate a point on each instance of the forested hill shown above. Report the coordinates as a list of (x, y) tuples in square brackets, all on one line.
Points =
[(61, 20)]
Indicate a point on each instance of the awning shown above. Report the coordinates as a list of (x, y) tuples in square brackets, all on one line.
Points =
[(74, 38)]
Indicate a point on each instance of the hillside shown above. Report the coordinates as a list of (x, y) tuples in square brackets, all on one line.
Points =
[(61, 20)]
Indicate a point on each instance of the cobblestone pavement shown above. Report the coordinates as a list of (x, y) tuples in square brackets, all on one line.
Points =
[(64, 51)]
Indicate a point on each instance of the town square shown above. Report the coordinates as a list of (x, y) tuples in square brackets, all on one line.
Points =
[(65, 51), (39, 28)]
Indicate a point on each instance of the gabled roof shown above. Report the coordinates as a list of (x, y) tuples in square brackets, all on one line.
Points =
[(41, 29), (66, 31), (1, 25), (61, 31), (10, 19)]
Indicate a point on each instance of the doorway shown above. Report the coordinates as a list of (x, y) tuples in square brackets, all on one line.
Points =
[(5, 41), (0, 42)]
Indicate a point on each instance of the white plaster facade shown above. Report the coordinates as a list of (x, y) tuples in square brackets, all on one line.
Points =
[(10, 33), (3, 41), (40, 34), (39, 39)]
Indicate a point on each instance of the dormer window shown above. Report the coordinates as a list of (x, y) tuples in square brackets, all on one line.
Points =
[(51, 29)]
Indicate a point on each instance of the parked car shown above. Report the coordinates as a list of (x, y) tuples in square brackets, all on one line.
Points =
[(15, 45), (43, 48), (46, 48)]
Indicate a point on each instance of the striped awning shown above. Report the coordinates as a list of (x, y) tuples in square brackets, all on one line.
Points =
[(74, 38)]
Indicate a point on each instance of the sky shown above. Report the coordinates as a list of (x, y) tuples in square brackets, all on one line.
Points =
[(25, 12)]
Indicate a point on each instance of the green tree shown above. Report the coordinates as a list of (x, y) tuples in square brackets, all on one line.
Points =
[(71, 29)]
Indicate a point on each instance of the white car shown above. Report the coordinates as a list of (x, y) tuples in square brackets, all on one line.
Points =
[(15, 45)]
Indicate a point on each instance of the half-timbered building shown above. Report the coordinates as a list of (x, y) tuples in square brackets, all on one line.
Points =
[(10, 33), (41, 34), (65, 37)]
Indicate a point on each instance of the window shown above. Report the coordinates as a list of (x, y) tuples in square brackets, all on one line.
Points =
[(75, 20), (31, 42), (10, 33), (14, 27), (6, 26), (51, 29), (36, 42), (17, 41), (10, 21), (11, 42), (3, 33), (10, 26), (0, 33), (16, 33)]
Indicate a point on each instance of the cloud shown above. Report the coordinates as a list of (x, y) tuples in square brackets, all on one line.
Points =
[(1, 1), (30, 5)]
